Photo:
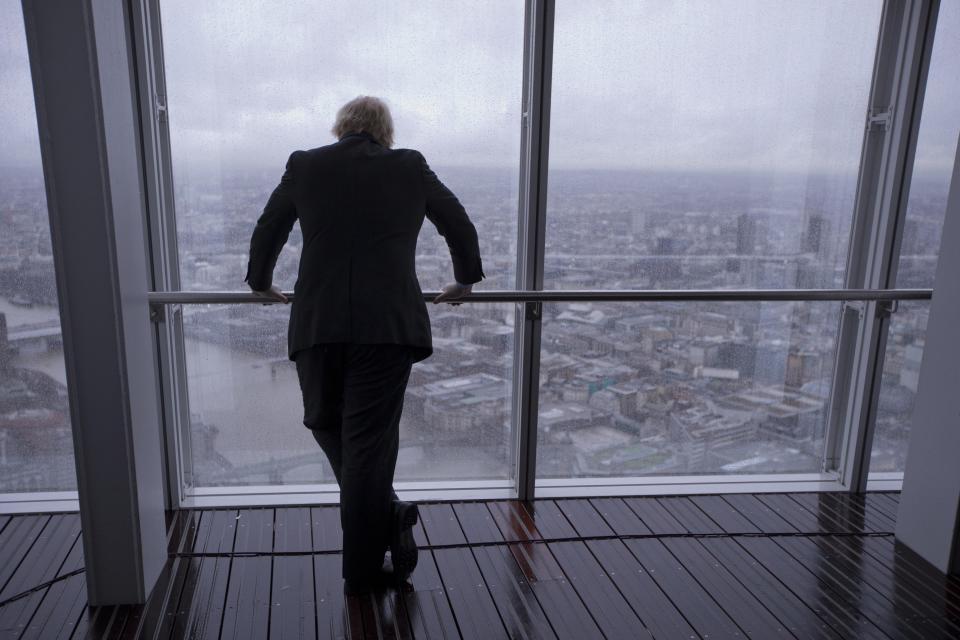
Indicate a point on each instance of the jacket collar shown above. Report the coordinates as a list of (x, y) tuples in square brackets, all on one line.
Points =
[(361, 134)]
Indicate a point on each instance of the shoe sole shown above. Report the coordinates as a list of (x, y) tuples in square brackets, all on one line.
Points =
[(403, 547)]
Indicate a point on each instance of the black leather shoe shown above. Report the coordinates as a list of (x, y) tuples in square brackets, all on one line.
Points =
[(403, 548), (377, 582)]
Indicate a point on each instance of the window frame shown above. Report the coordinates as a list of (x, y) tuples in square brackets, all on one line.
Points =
[(899, 75)]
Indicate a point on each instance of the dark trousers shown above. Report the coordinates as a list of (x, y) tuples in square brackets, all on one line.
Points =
[(352, 399)]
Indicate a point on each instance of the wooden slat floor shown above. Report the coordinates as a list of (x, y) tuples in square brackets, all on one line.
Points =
[(733, 566)]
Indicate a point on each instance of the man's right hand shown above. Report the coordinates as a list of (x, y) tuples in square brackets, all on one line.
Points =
[(273, 293), (452, 292)]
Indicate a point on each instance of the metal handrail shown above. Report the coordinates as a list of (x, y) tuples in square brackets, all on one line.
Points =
[(590, 295)]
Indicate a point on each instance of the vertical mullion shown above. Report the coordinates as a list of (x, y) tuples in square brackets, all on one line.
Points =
[(158, 178), (892, 120), (535, 134)]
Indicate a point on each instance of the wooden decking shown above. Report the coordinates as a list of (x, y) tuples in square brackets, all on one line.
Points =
[(733, 566)]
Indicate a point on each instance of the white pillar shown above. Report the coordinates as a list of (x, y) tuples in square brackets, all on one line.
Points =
[(82, 66), (930, 503)]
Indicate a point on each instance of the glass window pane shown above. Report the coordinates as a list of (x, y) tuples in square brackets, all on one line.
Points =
[(36, 446), (926, 208), (698, 145), (241, 98), (706, 144), (684, 388), (247, 414)]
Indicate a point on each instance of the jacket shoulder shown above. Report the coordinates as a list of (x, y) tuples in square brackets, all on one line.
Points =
[(409, 154)]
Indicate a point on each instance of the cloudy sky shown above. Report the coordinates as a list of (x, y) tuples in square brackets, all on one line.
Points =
[(743, 84)]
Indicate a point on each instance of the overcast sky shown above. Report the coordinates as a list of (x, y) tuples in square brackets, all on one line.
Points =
[(743, 84)]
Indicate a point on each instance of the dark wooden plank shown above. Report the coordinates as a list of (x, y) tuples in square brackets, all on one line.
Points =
[(849, 555), (512, 594), (690, 516), (74, 559), (60, 610), (4, 520), (603, 600), (182, 530), (565, 611), (125, 623), (791, 511), (420, 535), (292, 608), (762, 516), (291, 530), (427, 608), (513, 520), (655, 516), (15, 541), (873, 521), (852, 510), (332, 615), (799, 619), (327, 532), (476, 522), (161, 616), (882, 505), (880, 521), (841, 614), (586, 520), (247, 608), (200, 611), (165, 591), (943, 590), (654, 608), (620, 517), (254, 531), (840, 517), (737, 602), (701, 611), (389, 615), (94, 622), (15, 616), (215, 532), (355, 612), (727, 518), (363, 604), (441, 525), (536, 562), (852, 588), (45, 556), (472, 605), (549, 520)]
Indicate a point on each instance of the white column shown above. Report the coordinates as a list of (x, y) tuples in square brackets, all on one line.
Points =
[(82, 66), (930, 503)]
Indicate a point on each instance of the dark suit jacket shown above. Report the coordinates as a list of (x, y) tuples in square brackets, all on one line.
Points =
[(360, 207)]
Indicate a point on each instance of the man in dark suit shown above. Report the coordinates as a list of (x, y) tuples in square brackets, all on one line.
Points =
[(358, 319)]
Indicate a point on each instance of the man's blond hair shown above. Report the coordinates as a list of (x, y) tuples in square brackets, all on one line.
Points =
[(365, 113)]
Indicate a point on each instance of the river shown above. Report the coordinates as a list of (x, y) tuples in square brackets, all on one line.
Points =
[(255, 403)]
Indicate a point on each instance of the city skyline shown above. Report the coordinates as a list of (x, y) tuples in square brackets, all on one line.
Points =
[(703, 146), (627, 388)]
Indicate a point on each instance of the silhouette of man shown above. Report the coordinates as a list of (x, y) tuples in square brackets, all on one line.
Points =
[(358, 320)]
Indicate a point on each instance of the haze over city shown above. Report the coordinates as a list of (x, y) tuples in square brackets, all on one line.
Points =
[(714, 147)]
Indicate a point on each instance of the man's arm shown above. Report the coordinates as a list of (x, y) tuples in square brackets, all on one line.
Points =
[(448, 216), (272, 230)]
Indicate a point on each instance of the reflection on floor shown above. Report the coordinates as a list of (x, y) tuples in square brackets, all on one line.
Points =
[(801, 565)]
